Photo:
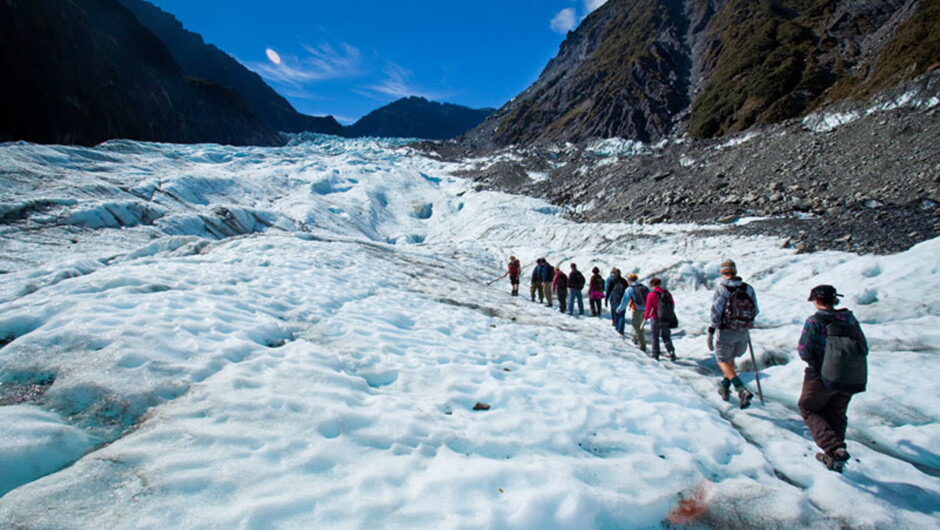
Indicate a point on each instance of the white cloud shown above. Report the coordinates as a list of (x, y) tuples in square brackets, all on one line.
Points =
[(320, 63), (565, 21), (397, 83), (591, 5)]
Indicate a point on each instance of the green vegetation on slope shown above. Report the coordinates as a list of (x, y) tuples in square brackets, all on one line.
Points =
[(913, 50), (767, 66)]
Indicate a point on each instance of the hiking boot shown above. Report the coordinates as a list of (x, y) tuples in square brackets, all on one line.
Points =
[(724, 392), (672, 356), (744, 397), (656, 356), (834, 461), (635, 340)]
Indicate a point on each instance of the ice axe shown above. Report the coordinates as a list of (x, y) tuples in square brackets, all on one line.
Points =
[(760, 392)]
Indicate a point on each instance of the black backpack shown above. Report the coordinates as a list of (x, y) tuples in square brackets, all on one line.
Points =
[(640, 292), (667, 309), (740, 309), (845, 365)]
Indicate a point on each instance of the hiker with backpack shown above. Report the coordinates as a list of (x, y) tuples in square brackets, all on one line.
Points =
[(514, 271), (575, 284), (661, 312), (734, 308), (835, 351), (635, 300), (596, 292), (615, 289), (560, 285)]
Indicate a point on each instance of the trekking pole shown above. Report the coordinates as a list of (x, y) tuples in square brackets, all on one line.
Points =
[(756, 376)]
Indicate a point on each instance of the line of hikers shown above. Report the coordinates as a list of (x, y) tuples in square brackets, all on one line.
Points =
[(832, 342)]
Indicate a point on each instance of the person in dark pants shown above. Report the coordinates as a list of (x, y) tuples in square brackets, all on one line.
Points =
[(823, 408), (560, 286), (659, 327), (596, 292)]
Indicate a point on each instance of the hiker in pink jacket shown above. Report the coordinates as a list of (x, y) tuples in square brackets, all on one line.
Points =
[(659, 324)]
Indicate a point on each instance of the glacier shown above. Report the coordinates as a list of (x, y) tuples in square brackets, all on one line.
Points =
[(203, 336)]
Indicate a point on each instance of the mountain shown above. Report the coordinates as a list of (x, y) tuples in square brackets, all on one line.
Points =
[(206, 61), (86, 72), (648, 69), (416, 117)]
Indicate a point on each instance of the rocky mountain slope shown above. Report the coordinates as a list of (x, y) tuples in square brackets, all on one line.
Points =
[(858, 176), (206, 61), (650, 69), (85, 72), (416, 117)]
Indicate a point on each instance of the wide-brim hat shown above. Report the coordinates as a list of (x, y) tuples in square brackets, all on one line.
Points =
[(826, 293)]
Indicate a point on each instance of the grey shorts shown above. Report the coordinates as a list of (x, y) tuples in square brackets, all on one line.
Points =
[(730, 343)]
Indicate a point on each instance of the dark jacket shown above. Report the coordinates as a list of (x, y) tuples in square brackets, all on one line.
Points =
[(537, 274), (615, 290), (576, 280), (548, 273), (812, 346), (560, 283)]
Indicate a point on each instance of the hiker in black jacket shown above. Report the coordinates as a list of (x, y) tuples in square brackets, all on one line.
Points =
[(575, 284), (828, 386)]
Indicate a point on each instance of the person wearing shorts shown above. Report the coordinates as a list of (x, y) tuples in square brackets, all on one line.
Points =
[(731, 342)]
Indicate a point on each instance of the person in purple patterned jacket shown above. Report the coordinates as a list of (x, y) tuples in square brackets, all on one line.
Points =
[(824, 409)]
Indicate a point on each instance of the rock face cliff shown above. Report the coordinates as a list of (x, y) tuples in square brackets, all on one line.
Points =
[(649, 69), (86, 72), (205, 61)]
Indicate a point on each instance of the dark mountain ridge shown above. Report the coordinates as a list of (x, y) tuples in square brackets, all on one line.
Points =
[(206, 61), (416, 117), (651, 69), (86, 72)]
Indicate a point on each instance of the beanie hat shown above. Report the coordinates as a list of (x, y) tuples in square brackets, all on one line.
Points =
[(728, 266)]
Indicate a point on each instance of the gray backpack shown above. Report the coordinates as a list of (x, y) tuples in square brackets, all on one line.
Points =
[(845, 365)]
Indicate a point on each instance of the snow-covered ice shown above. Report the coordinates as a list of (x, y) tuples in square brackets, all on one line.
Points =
[(215, 337)]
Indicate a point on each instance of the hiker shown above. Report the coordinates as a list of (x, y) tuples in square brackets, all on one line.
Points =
[(835, 351), (659, 305), (575, 284), (610, 278), (615, 289), (596, 292), (515, 269), (548, 275), (635, 300), (734, 307), (560, 285), (535, 285)]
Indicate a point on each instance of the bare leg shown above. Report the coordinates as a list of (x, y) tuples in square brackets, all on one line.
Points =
[(727, 369)]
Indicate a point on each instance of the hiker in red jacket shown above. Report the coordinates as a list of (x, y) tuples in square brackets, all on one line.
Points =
[(514, 272)]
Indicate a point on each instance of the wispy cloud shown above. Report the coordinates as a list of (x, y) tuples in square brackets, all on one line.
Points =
[(318, 63), (565, 20), (398, 84)]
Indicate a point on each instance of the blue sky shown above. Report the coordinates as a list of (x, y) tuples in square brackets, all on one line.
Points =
[(348, 58)]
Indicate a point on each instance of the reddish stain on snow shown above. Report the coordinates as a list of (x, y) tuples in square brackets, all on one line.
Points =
[(691, 506)]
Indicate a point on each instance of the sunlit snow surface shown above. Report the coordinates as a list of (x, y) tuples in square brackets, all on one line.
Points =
[(215, 337)]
